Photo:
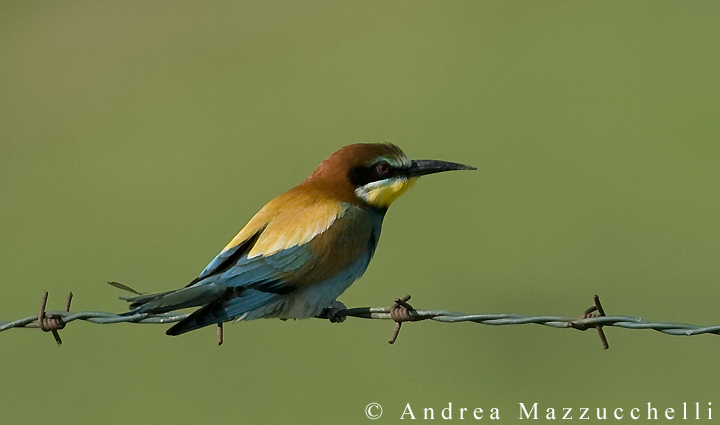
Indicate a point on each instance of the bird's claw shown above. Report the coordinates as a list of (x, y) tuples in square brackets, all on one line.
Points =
[(335, 312)]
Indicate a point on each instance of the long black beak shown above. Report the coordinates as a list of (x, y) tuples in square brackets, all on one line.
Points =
[(422, 167)]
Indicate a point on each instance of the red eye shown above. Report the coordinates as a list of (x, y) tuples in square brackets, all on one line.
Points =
[(383, 169)]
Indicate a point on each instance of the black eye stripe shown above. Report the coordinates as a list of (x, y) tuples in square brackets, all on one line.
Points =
[(360, 176)]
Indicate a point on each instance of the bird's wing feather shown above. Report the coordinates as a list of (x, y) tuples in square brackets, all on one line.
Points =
[(301, 265), (241, 244), (254, 282), (289, 220), (299, 217)]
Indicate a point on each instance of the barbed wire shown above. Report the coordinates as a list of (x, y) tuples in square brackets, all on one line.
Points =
[(401, 311)]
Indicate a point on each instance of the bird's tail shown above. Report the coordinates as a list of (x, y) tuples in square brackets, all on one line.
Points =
[(240, 304), (219, 304), (162, 302)]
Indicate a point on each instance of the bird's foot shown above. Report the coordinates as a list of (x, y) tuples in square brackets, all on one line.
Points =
[(335, 312)]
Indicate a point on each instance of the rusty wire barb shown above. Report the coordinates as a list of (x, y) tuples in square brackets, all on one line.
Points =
[(400, 312), (52, 322), (594, 311)]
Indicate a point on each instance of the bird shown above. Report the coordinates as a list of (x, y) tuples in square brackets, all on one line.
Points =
[(304, 248)]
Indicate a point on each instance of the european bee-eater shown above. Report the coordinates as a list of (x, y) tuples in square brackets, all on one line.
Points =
[(305, 247)]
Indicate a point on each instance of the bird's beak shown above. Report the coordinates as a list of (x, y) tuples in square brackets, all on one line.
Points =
[(422, 167)]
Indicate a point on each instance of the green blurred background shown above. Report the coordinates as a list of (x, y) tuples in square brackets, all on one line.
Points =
[(139, 137)]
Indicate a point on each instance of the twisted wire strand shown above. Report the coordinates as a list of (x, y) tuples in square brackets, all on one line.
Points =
[(99, 317), (501, 319), (385, 313)]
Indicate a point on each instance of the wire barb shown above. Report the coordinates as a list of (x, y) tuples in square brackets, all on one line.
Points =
[(591, 313), (401, 312), (52, 322)]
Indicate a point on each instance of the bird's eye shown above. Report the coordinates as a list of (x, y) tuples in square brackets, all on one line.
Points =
[(383, 169)]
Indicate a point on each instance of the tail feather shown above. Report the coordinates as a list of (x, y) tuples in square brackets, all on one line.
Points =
[(136, 302), (124, 287), (162, 302), (218, 304), (232, 304)]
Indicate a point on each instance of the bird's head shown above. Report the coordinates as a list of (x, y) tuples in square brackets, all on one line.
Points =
[(375, 173)]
